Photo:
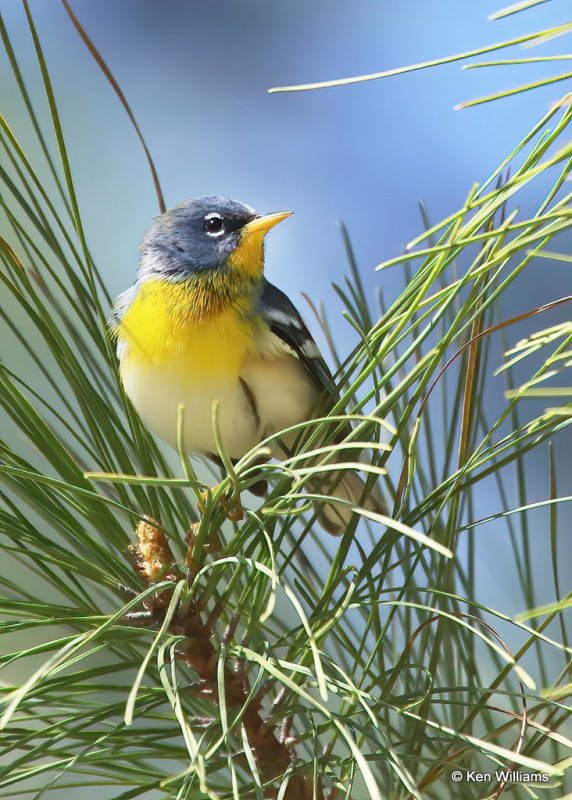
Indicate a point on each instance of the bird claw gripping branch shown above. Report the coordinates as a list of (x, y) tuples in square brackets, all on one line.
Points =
[(230, 503), (269, 740)]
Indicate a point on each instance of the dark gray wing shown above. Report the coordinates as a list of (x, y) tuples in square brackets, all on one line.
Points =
[(286, 323)]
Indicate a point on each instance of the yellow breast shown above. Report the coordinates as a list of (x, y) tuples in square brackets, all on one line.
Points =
[(181, 326)]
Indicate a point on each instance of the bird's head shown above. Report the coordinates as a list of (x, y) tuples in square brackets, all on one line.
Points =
[(208, 233)]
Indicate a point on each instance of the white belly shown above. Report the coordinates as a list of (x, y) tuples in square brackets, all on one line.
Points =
[(285, 393), (280, 393), (156, 395)]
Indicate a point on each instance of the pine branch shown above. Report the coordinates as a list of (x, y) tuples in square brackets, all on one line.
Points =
[(274, 755)]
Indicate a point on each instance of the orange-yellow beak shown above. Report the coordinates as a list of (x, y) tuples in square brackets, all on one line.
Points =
[(261, 225), (248, 256)]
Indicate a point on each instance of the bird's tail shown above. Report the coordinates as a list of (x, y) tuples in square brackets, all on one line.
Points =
[(349, 488)]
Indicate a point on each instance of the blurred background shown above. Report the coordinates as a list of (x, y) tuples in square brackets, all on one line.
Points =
[(196, 76)]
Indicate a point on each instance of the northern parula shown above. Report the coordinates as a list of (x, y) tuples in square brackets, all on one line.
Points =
[(202, 324)]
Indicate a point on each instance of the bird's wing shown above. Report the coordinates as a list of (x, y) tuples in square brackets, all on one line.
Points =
[(284, 321)]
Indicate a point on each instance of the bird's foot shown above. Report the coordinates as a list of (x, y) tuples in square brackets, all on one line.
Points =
[(230, 502)]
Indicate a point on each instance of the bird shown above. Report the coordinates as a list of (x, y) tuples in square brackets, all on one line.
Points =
[(203, 324)]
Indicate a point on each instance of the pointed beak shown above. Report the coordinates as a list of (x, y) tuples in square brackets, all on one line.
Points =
[(263, 224)]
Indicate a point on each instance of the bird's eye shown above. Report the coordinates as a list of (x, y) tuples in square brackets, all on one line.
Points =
[(214, 224)]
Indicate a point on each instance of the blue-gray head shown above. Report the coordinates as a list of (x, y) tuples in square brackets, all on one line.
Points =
[(208, 233)]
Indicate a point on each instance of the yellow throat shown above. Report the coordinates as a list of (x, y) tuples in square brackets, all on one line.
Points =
[(189, 327)]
